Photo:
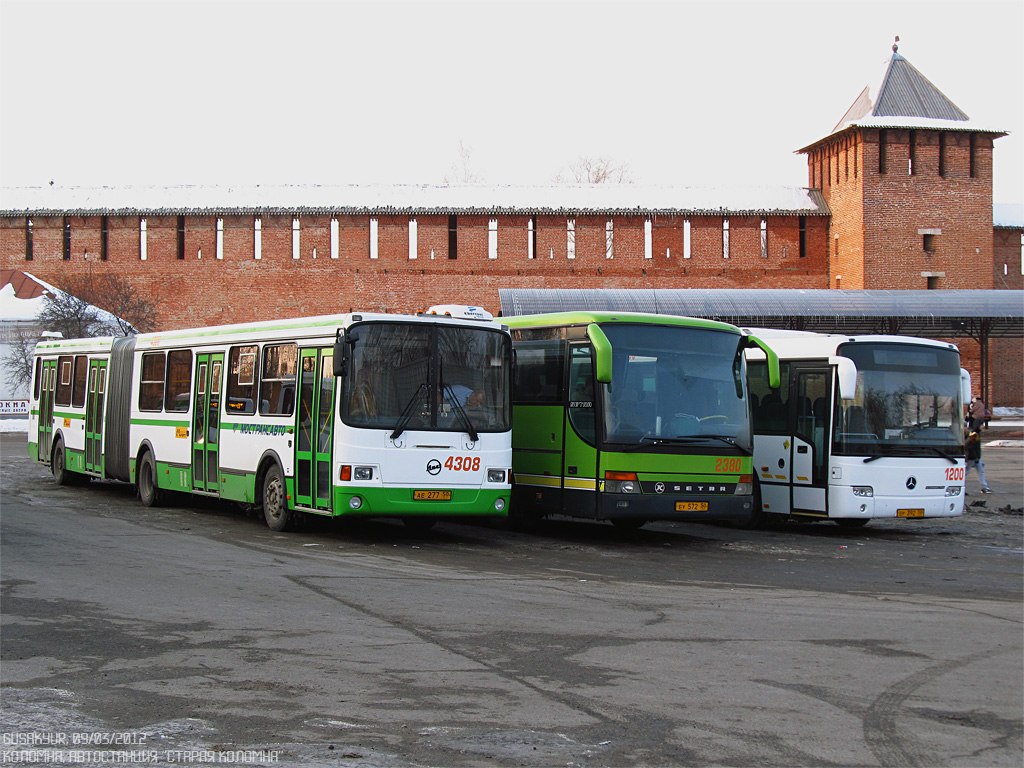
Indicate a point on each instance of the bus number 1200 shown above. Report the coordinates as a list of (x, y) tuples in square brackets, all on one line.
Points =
[(955, 473)]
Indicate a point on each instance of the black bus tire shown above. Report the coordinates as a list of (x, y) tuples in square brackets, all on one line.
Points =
[(59, 466), (275, 501), (146, 482)]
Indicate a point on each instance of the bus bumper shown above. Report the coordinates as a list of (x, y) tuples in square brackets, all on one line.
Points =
[(694, 508), (843, 504)]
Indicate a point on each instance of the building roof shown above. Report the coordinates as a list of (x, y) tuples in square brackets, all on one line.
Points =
[(904, 98), (618, 199), (910, 313)]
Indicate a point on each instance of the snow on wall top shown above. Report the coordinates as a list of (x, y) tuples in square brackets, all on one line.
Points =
[(622, 198)]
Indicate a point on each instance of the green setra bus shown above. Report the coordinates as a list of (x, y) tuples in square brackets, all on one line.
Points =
[(631, 418)]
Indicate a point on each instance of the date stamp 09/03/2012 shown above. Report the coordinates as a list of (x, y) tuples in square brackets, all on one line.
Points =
[(116, 747)]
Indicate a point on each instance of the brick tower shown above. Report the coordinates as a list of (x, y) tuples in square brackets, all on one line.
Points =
[(908, 178)]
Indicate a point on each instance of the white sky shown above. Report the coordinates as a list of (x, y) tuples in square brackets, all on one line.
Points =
[(292, 92)]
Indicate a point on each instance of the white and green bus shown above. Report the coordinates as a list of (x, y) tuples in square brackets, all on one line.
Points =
[(862, 427), (355, 414), (631, 418)]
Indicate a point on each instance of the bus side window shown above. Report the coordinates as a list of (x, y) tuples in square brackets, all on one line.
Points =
[(277, 384), (242, 379), (81, 378), (64, 383), (151, 383), (38, 378), (179, 380), (539, 371)]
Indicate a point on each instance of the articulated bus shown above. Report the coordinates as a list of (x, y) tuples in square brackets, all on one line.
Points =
[(353, 414), (861, 427), (631, 418)]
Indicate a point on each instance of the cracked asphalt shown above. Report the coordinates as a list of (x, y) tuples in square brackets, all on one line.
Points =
[(202, 637)]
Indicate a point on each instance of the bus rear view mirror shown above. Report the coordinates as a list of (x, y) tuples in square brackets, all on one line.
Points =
[(846, 376), (602, 353), (340, 358)]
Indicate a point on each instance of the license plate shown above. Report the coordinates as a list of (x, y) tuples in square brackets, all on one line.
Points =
[(909, 513), (691, 506), (432, 495)]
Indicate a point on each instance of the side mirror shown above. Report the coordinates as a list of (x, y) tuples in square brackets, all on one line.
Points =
[(846, 376), (602, 353), (340, 356), (965, 386), (774, 377)]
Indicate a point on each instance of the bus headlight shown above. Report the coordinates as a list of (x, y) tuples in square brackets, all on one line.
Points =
[(499, 505), (495, 475), (355, 502), (621, 482), (745, 485), (863, 490), (363, 473), (953, 490)]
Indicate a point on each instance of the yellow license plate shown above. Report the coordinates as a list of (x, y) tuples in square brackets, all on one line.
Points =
[(691, 506), (432, 495), (909, 513)]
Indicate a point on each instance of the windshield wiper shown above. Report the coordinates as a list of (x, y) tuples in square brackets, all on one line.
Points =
[(407, 412), (685, 440), (908, 450), (465, 417)]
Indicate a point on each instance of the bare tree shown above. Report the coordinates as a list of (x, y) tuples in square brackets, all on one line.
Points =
[(76, 311), (461, 171), (18, 360), (595, 170)]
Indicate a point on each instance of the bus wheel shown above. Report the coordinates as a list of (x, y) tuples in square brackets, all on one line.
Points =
[(629, 523), (59, 467), (145, 479), (851, 522), (275, 503)]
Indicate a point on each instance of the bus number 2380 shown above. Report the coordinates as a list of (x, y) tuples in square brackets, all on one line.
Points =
[(728, 465)]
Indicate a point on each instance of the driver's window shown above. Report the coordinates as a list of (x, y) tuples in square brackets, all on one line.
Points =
[(581, 392)]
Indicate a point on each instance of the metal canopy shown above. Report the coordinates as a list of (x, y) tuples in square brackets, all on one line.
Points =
[(978, 314)]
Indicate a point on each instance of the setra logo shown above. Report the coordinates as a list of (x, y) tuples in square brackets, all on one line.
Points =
[(433, 467)]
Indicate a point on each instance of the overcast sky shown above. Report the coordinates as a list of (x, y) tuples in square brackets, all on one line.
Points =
[(291, 92)]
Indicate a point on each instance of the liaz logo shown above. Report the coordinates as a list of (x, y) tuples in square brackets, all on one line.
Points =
[(433, 467)]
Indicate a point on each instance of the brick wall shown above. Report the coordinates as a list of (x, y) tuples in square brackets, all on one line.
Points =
[(202, 289)]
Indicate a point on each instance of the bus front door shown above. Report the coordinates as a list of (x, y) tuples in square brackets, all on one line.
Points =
[(314, 429), (94, 416), (809, 409), (579, 470), (206, 423), (48, 387)]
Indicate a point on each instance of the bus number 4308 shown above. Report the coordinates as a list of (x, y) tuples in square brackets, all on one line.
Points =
[(463, 463)]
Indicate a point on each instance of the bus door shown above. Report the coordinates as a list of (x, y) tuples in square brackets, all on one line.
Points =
[(94, 416), (579, 468), (314, 429), (47, 389), (811, 396), (206, 422)]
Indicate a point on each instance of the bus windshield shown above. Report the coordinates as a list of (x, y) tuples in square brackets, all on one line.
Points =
[(675, 385), (908, 402), (417, 376)]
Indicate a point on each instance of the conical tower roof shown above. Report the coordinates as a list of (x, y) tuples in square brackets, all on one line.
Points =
[(904, 98)]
